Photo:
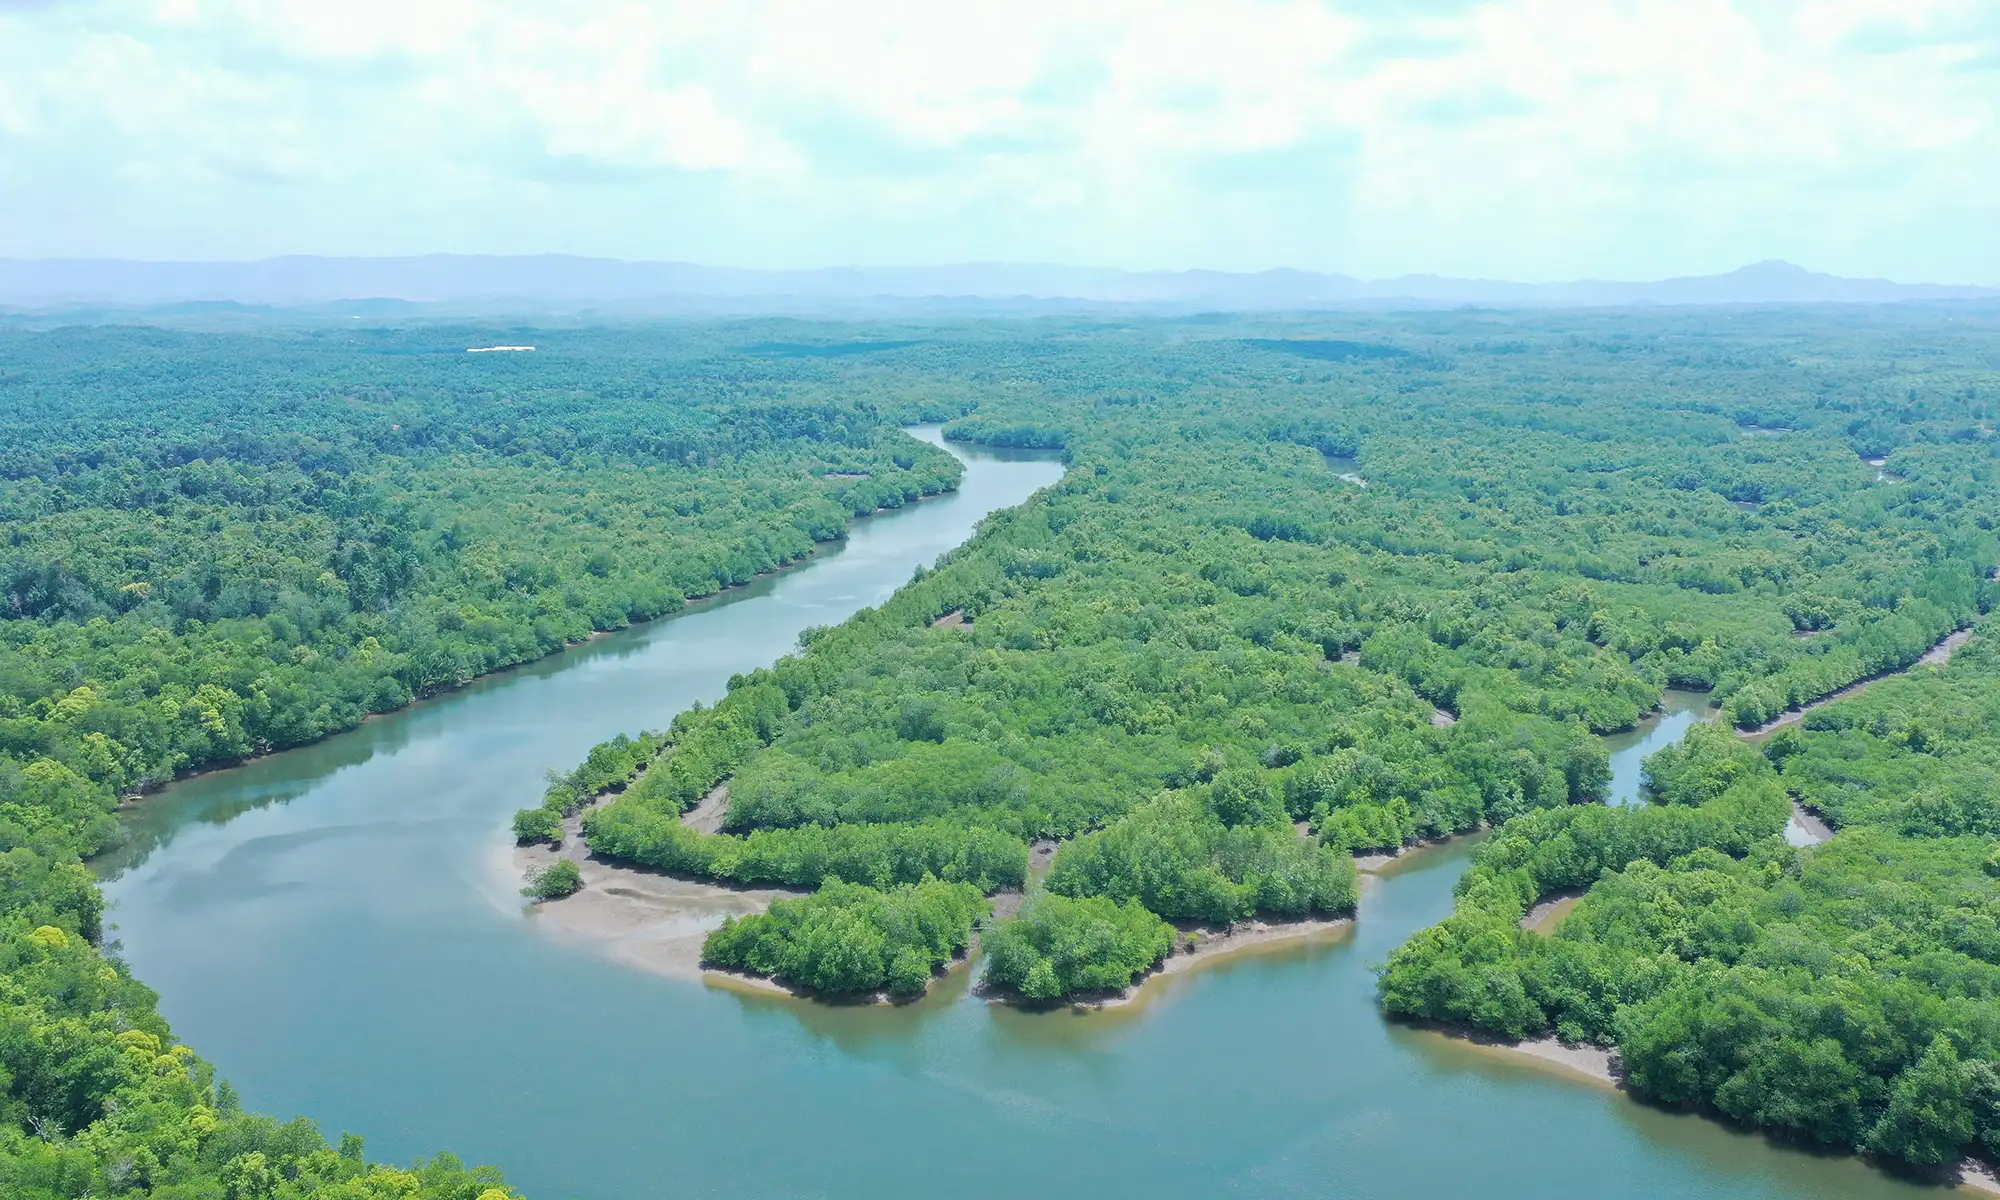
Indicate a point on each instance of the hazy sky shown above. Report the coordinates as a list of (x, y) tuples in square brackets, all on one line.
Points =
[(1527, 139)]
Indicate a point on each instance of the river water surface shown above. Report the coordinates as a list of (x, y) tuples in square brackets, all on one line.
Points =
[(336, 929)]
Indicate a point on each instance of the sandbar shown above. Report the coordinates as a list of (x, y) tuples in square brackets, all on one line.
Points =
[(646, 919)]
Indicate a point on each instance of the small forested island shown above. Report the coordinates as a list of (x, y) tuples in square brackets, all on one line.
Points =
[(1310, 588)]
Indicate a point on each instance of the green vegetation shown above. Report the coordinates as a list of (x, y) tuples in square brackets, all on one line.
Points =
[(610, 767), (848, 938), (323, 528), (559, 879), (1182, 861), (221, 545), (1206, 635), (1842, 994), (1057, 946), (96, 1098), (878, 855)]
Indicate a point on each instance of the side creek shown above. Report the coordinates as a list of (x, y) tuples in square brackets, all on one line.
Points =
[(336, 927)]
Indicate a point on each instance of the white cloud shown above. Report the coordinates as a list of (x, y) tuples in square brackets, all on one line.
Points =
[(1532, 138)]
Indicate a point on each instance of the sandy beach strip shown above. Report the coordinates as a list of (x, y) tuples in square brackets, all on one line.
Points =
[(1597, 1064), (1200, 948), (646, 919)]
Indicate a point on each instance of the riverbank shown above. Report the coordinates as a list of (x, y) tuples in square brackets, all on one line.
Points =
[(707, 816), (1376, 864), (1806, 828), (640, 918), (1548, 915), (689, 604), (1596, 1064), (1936, 656), (764, 985), (1978, 1178), (1599, 1067), (1198, 948)]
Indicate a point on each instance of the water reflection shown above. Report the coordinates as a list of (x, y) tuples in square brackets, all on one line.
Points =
[(1347, 467), (1737, 1160), (1678, 712), (328, 927)]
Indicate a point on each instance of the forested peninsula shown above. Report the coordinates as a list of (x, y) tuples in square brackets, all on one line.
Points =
[(1294, 603), (1311, 587)]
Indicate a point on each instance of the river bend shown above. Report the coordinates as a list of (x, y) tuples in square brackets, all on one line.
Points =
[(336, 928)]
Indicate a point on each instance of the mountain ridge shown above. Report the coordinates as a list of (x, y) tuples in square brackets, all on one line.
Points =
[(570, 279)]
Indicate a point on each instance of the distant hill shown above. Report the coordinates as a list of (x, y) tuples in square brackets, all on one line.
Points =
[(381, 285)]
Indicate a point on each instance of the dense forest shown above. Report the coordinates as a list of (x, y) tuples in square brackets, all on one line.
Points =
[(1843, 994), (1288, 604), (218, 546), (1373, 598)]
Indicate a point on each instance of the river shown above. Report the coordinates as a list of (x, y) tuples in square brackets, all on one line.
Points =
[(1663, 727), (335, 928)]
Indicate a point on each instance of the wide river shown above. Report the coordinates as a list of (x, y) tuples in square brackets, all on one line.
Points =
[(335, 927)]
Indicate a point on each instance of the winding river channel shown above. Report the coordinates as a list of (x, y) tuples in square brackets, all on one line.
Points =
[(336, 927)]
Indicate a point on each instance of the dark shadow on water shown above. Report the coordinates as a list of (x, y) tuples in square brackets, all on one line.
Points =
[(1721, 1148)]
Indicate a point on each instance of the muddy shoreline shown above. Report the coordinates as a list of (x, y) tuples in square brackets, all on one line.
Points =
[(1599, 1066), (1548, 914), (1936, 656), (1375, 864), (1812, 828), (651, 920)]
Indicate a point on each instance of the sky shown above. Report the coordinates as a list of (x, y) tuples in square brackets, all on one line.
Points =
[(1518, 139)]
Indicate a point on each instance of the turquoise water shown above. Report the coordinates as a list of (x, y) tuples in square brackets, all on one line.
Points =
[(336, 928), (1677, 713)]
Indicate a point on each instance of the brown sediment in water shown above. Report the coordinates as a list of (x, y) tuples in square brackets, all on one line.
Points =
[(1936, 656)]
